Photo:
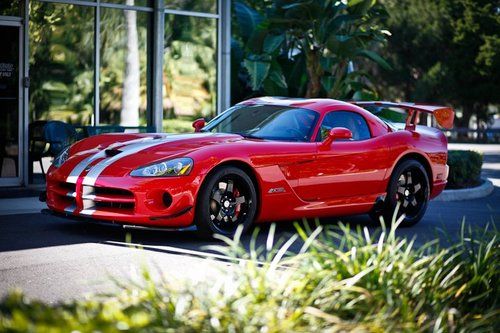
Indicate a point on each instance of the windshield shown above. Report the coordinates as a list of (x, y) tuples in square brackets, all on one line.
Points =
[(270, 122)]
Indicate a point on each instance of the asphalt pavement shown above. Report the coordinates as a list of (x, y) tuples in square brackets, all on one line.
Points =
[(55, 259)]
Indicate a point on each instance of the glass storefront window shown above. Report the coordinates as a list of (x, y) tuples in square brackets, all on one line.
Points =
[(61, 74), (204, 6), (64, 65), (10, 8), (61, 62), (189, 70), (124, 70)]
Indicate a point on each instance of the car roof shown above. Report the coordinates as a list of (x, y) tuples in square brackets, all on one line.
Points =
[(317, 104)]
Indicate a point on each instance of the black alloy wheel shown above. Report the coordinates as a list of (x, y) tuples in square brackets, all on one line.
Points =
[(226, 200), (408, 187)]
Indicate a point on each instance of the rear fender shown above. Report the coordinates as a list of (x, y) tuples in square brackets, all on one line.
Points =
[(434, 163)]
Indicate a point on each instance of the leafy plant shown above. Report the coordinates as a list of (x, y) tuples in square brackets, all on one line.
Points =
[(341, 279), (465, 168), (307, 48), (444, 52)]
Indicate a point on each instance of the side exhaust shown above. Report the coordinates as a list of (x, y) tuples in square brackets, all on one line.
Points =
[(379, 204)]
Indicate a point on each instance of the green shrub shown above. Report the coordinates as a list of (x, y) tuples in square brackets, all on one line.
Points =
[(465, 168), (341, 280)]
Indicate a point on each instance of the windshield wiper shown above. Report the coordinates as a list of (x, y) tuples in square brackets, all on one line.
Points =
[(249, 136)]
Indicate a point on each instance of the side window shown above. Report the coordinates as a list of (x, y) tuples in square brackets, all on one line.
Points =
[(350, 120)]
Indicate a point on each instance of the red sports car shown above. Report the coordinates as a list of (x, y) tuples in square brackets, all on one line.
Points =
[(265, 159)]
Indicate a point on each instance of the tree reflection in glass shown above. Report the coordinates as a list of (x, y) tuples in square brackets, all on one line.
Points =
[(190, 67), (61, 62), (9, 8), (205, 6), (123, 74)]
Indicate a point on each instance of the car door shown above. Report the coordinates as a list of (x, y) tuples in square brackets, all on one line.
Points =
[(345, 169)]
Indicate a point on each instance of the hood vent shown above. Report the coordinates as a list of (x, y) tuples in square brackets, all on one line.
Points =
[(112, 152)]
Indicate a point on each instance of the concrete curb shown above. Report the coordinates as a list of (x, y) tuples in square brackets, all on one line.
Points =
[(480, 191)]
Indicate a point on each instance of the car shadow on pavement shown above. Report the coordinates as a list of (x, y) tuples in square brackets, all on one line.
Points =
[(31, 231)]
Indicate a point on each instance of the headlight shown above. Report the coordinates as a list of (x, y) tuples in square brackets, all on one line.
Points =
[(176, 167), (61, 158)]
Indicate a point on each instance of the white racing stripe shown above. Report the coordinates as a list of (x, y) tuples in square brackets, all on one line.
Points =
[(78, 169), (131, 149), (97, 169), (75, 173)]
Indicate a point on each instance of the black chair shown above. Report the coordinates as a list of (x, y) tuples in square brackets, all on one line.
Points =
[(59, 135), (48, 138), (37, 145)]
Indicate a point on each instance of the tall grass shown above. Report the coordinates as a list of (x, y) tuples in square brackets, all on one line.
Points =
[(341, 279)]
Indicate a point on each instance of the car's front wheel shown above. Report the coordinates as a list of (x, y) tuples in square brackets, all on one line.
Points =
[(408, 187), (227, 199)]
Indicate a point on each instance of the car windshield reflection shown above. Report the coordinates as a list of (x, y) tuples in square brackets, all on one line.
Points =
[(269, 122)]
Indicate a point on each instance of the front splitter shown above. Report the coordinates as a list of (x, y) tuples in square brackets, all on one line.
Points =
[(116, 223)]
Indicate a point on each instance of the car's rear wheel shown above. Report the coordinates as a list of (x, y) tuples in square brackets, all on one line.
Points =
[(227, 199), (408, 186)]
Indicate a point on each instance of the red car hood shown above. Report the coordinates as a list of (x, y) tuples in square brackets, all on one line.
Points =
[(117, 155)]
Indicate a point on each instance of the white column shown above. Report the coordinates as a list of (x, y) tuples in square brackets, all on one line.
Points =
[(156, 108), (224, 56)]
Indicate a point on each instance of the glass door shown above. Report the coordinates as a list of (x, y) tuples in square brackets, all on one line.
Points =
[(10, 104)]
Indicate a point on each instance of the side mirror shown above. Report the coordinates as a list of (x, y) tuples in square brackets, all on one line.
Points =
[(198, 124), (337, 133)]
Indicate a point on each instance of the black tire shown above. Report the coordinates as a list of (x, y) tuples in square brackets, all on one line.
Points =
[(220, 209), (409, 185)]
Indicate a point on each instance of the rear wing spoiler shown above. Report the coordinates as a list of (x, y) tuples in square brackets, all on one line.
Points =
[(444, 115)]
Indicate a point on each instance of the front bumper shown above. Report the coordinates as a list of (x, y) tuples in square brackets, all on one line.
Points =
[(148, 202), (118, 224)]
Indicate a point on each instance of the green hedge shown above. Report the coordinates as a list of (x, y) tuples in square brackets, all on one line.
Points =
[(465, 168), (342, 280)]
